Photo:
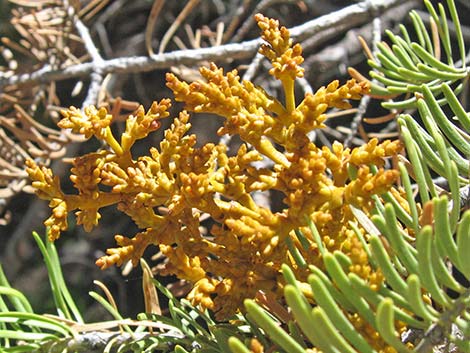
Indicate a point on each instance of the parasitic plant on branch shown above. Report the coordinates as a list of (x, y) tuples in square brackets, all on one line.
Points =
[(349, 262), (168, 191)]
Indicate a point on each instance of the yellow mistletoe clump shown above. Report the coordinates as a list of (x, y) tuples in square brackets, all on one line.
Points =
[(169, 191)]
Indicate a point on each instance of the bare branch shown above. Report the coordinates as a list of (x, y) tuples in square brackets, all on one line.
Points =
[(345, 18), (97, 60)]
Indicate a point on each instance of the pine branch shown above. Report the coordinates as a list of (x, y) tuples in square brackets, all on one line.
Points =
[(91, 342), (437, 334)]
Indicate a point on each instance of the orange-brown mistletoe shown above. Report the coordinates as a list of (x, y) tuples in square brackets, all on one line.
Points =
[(246, 246)]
